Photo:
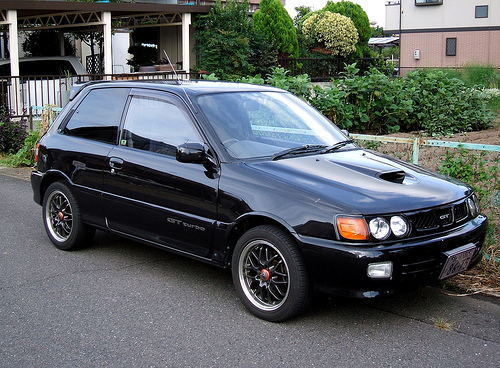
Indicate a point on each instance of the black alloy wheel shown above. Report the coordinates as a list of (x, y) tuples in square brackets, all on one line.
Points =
[(62, 220), (269, 274)]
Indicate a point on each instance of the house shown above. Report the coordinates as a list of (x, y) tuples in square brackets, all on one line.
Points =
[(445, 33)]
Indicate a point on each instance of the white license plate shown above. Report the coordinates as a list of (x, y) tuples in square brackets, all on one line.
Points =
[(457, 260)]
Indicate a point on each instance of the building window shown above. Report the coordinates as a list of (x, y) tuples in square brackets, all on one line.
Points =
[(451, 46), (428, 2), (482, 11)]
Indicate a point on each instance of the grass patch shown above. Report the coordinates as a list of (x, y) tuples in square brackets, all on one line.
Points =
[(494, 104)]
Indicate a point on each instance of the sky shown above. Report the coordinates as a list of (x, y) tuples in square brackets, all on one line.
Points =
[(375, 9)]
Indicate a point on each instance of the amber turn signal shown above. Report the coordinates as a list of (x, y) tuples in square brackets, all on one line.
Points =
[(352, 228)]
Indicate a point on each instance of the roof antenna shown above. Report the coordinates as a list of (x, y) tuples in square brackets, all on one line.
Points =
[(171, 66), (179, 81)]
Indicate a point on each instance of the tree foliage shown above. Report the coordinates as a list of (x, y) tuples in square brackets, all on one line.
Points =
[(335, 32), (360, 20), (273, 20), (224, 39)]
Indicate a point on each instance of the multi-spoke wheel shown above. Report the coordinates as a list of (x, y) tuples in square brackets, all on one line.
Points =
[(269, 274), (62, 220)]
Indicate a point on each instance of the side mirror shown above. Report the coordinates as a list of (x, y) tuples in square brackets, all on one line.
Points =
[(346, 133), (194, 153)]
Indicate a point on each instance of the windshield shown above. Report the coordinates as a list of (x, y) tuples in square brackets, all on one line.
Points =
[(267, 124)]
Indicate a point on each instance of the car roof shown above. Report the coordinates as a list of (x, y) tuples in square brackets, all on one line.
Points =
[(192, 87)]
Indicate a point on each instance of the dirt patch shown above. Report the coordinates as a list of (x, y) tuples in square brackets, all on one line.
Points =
[(489, 136), (17, 172)]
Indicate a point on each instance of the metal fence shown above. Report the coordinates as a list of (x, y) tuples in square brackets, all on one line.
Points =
[(323, 69), (19, 94), (478, 163)]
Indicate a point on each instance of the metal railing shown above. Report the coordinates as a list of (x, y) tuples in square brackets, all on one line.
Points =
[(19, 94), (323, 69)]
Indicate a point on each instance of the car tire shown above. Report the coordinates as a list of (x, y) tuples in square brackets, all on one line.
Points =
[(62, 218), (269, 274)]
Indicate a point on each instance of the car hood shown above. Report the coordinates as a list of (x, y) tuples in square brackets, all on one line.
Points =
[(365, 181)]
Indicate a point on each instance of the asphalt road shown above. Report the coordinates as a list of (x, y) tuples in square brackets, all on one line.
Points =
[(123, 304)]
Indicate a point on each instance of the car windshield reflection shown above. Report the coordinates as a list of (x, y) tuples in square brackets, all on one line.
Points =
[(265, 124)]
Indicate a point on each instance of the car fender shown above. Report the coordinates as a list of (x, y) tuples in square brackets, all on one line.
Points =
[(242, 224)]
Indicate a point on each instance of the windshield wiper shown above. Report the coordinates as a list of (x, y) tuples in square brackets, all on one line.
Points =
[(306, 148), (337, 145)]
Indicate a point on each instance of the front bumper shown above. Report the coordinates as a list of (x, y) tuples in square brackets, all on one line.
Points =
[(339, 268)]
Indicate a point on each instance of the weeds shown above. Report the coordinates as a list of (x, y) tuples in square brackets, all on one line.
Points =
[(443, 324)]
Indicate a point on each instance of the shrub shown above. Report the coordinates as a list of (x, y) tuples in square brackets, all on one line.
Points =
[(12, 133), (444, 105), (429, 101), (360, 20), (373, 102), (335, 32)]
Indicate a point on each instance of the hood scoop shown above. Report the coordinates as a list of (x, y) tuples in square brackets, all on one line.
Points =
[(376, 169), (397, 177)]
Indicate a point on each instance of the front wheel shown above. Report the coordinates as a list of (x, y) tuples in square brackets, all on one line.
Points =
[(269, 274), (62, 219)]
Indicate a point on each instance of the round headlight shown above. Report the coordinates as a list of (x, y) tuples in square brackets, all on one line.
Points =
[(379, 228), (399, 226), (472, 207)]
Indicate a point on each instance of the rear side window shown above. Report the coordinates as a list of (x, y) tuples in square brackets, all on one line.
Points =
[(98, 116), (157, 126)]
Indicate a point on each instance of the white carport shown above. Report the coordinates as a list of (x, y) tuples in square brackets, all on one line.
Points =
[(24, 15)]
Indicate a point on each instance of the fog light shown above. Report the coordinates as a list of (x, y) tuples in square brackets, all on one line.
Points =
[(382, 270)]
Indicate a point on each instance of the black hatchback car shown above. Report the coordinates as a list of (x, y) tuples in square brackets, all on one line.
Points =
[(253, 179)]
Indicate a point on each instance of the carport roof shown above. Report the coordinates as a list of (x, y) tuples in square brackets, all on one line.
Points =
[(58, 14)]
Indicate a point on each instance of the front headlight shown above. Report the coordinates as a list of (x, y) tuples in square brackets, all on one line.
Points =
[(379, 228), (473, 204), (399, 226)]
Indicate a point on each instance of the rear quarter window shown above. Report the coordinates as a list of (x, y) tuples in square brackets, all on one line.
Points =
[(98, 116)]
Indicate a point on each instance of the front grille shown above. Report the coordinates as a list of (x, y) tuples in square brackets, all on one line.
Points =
[(424, 221), (460, 211), (439, 218)]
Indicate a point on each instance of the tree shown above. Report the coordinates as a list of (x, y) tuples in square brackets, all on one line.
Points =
[(333, 32), (301, 12), (378, 32), (360, 20), (223, 40), (273, 20)]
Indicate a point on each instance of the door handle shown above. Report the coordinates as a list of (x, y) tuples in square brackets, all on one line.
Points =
[(115, 163)]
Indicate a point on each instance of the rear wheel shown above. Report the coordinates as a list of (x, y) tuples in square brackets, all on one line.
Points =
[(269, 274), (62, 219)]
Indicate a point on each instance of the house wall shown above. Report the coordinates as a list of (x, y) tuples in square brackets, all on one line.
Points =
[(471, 47), (426, 29)]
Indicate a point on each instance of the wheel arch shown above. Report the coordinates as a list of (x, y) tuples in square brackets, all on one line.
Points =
[(50, 177), (249, 221)]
